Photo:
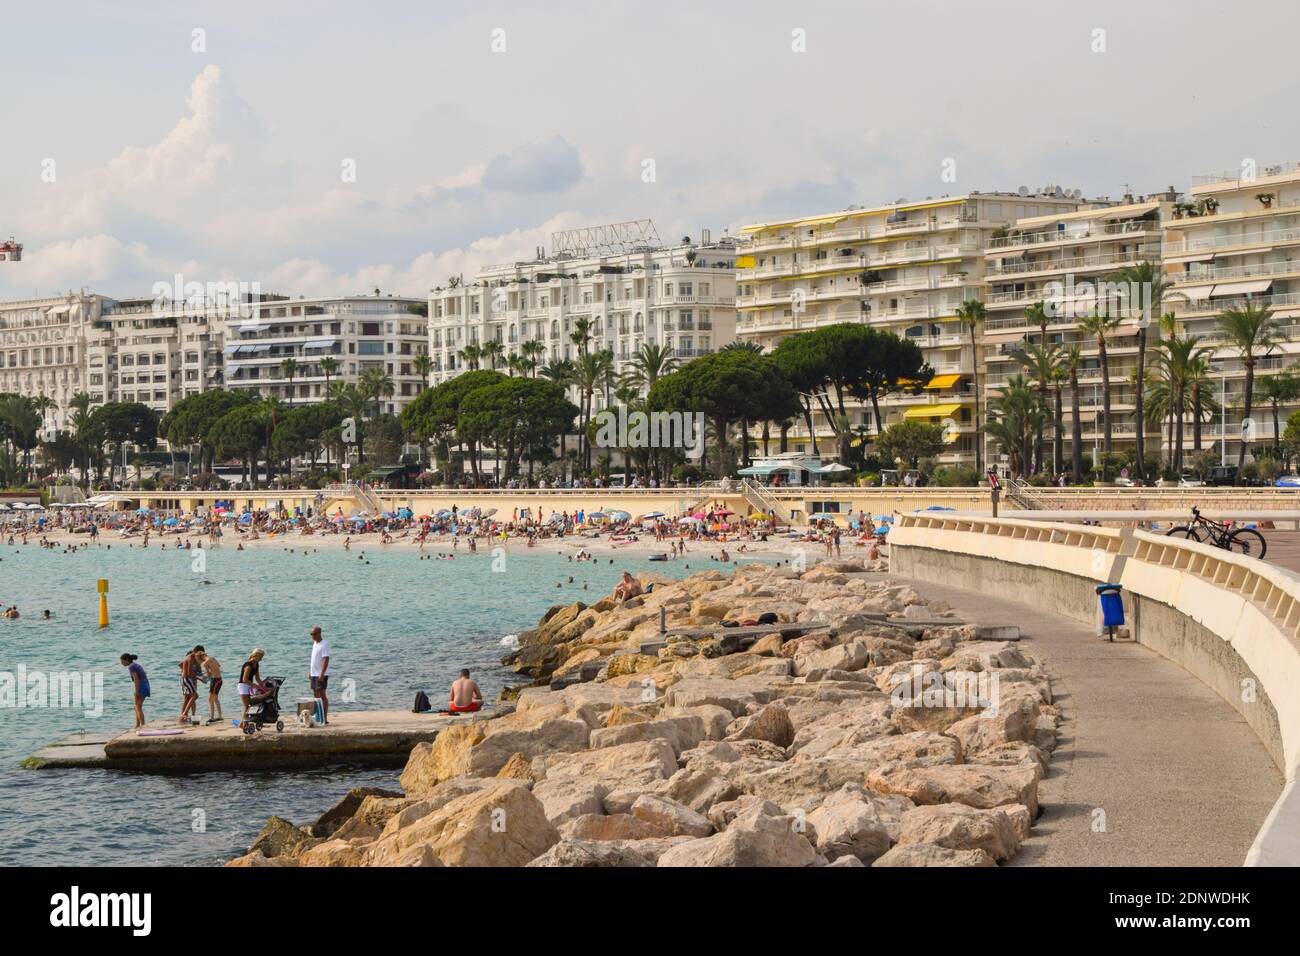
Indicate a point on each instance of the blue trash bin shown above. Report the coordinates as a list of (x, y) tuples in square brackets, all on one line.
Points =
[(1110, 597)]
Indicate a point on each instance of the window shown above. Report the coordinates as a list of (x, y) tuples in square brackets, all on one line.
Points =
[(370, 348)]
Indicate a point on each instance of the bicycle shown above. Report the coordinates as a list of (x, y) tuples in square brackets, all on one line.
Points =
[(1244, 541)]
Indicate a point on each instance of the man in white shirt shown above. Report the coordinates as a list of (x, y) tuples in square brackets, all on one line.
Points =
[(320, 663)]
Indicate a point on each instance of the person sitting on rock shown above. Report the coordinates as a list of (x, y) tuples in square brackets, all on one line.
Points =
[(465, 695), (627, 588)]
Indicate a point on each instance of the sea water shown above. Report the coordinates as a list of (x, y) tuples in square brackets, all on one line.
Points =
[(396, 624)]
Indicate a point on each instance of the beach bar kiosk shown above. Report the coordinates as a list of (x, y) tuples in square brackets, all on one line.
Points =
[(792, 469)]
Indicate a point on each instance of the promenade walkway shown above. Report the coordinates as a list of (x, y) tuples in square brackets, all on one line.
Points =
[(1181, 778)]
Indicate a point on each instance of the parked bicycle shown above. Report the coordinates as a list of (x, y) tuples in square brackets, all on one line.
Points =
[(1221, 534)]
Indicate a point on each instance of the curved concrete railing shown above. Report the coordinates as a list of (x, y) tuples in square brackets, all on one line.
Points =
[(1232, 621)]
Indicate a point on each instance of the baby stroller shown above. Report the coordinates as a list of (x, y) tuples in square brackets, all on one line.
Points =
[(264, 708)]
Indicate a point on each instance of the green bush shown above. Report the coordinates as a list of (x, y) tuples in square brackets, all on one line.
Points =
[(956, 476)]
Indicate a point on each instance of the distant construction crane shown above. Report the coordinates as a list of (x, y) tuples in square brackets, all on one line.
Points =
[(11, 251)]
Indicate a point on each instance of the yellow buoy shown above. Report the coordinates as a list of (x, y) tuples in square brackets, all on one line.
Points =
[(103, 602)]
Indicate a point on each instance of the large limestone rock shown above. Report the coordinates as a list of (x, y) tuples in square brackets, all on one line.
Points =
[(771, 723), (333, 853), (445, 758), (671, 817), (565, 798), (976, 786), (499, 825), (682, 733), (927, 854), (959, 827), (606, 853), (842, 657), (281, 838), (754, 838), (504, 739), (346, 809), (614, 826), (734, 695), (623, 765), (1014, 721), (847, 824)]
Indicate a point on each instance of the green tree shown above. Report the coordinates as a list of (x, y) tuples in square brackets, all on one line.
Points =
[(909, 441), (1253, 331)]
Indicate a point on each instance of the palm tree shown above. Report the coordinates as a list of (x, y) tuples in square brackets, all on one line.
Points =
[(560, 371), (1015, 415), (1174, 359), (1071, 359), (532, 350), (328, 365), (651, 362), (1276, 389), (42, 405), (1042, 362), (1252, 330), (492, 350), (1148, 276), (470, 355), (82, 431), (352, 402), (1203, 401), (591, 371), (375, 384), (972, 315), (289, 368), (581, 334), (1099, 327), (423, 365)]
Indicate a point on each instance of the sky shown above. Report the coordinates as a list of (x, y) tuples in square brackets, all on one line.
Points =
[(322, 148)]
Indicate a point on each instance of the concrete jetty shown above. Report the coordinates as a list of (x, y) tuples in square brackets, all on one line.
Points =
[(377, 737)]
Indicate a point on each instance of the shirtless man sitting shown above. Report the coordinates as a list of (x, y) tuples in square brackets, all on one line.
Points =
[(629, 587), (465, 695)]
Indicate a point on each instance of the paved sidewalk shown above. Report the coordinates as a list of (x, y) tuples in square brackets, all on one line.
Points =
[(1181, 778)]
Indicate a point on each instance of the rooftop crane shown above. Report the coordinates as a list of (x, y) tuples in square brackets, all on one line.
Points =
[(11, 251)]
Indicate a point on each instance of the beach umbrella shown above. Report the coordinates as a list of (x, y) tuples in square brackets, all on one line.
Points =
[(835, 466), (653, 514), (883, 529), (822, 516), (724, 511), (689, 519), (489, 513), (699, 516), (3, 506), (421, 517), (143, 511), (171, 521), (404, 513), (620, 515), (597, 516)]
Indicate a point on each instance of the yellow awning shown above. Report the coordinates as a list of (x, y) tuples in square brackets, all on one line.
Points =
[(932, 411), (944, 381), (744, 262)]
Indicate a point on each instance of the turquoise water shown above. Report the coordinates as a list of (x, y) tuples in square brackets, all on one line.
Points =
[(396, 625)]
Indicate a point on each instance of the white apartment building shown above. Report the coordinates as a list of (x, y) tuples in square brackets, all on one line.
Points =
[(631, 288), (42, 344), (155, 352), (1237, 241), (359, 332), (1060, 259), (905, 267)]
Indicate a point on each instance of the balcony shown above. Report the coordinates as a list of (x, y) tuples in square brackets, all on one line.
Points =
[(1264, 237), (1111, 260), (1254, 270), (1092, 231), (1234, 175)]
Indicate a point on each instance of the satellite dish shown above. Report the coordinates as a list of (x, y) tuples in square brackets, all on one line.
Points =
[(1060, 193), (1023, 191)]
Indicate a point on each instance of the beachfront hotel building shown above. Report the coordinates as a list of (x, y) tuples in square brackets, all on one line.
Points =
[(154, 351), (42, 349), (633, 290), (905, 267), (1235, 242), (359, 332), (1059, 259)]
